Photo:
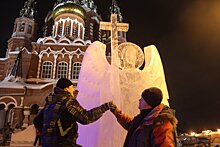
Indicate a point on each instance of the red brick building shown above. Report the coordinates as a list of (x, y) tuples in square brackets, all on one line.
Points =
[(33, 65)]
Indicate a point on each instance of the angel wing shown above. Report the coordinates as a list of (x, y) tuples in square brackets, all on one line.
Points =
[(100, 82), (95, 88), (93, 70), (154, 71)]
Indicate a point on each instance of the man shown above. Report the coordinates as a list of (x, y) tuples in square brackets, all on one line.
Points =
[(153, 127), (58, 119)]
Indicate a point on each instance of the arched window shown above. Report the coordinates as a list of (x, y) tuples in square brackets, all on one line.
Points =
[(91, 29), (29, 29), (15, 27), (2, 106), (62, 70), (76, 69), (10, 114), (21, 27), (74, 30), (67, 30), (47, 70), (60, 30), (2, 115)]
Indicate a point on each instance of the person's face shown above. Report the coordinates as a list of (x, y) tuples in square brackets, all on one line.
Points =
[(143, 104), (70, 89)]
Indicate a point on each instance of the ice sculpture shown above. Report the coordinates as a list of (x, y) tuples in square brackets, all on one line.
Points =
[(122, 82), (97, 84)]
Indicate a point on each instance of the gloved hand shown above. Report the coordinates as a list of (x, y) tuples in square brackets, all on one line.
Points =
[(112, 106), (106, 106), (114, 109)]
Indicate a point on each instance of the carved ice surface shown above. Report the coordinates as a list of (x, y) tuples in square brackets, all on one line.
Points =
[(130, 55), (100, 82)]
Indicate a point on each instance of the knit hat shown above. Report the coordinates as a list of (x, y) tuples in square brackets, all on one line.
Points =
[(63, 83), (153, 96)]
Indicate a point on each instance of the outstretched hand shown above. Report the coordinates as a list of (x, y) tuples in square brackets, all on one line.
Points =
[(110, 106), (113, 107)]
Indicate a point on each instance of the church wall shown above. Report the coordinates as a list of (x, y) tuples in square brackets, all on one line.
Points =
[(37, 96), (26, 58), (30, 96), (92, 26), (17, 43), (12, 58), (76, 59), (49, 56), (14, 100), (4, 66), (8, 100), (32, 72), (13, 91)]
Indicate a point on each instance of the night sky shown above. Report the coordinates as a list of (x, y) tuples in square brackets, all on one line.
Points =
[(187, 35)]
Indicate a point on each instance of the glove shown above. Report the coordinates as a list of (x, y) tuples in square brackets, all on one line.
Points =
[(114, 109), (106, 106)]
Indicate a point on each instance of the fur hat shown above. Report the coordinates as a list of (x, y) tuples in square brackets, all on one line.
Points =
[(63, 83), (153, 96)]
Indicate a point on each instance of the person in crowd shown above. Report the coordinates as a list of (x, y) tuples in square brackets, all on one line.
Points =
[(154, 126), (37, 137), (58, 119)]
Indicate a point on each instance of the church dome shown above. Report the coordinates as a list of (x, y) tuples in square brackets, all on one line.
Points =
[(69, 7)]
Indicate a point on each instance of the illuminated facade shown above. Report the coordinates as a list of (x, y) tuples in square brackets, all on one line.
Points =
[(33, 65)]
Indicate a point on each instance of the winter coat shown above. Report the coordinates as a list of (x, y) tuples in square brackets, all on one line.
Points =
[(60, 116), (157, 129)]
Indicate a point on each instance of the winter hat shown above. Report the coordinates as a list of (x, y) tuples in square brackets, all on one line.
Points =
[(153, 96), (63, 83)]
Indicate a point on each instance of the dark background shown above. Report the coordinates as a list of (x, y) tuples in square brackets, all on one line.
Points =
[(187, 35)]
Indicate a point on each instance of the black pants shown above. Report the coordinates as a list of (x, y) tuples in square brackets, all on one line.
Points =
[(38, 137)]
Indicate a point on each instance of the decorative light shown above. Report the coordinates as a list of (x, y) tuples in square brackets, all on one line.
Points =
[(218, 130), (192, 133), (206, 131)]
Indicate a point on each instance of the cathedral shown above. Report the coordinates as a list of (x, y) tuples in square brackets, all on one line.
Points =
[(32, 65)]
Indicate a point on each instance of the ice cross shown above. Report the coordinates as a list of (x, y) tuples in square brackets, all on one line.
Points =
[(115, 28)]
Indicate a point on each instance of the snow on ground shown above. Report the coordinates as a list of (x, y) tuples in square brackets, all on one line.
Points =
[(24, 138)]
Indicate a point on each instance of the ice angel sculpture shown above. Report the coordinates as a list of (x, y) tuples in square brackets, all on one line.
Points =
[(100, 82)]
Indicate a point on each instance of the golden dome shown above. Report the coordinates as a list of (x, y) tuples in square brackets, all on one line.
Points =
[(69, 7)]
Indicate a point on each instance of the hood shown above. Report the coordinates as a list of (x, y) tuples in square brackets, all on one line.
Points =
[(161, 112)]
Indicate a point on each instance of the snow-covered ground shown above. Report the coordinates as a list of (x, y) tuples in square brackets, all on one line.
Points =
[(23, 138)]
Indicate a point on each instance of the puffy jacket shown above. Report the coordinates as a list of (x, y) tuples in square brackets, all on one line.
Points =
[(157, 129)]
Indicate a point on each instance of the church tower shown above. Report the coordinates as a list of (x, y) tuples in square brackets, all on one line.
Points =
[(23, 35), (24, 28)]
